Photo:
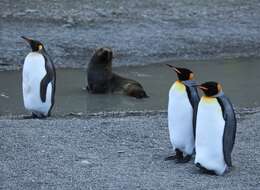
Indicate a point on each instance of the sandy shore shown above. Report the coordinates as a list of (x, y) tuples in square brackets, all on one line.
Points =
[(114, 153), (139, 32)]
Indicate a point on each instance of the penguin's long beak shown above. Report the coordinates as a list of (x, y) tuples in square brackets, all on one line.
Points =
[(28, 40), (202, 88), (175, 69)]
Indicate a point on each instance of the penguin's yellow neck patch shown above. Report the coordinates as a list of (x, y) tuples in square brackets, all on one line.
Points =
[(179, 86), (208, 100)]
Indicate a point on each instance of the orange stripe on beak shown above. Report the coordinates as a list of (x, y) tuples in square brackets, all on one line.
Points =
[(203, 88)]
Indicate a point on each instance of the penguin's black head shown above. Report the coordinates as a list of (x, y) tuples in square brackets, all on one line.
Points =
[(35, 45), (210, 88), (182, 73), (103, 55)]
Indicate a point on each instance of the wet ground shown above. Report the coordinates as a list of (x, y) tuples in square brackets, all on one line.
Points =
[(239, 78), (140, 32)]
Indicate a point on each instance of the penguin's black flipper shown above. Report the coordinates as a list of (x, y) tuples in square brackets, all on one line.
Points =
[(52, 71), (194, 101), (230, 128), (49, 77), (43, 89)]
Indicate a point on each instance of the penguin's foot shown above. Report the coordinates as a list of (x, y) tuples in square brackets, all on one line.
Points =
[(184, 159), (34, 116), (204, 170), (29, 117), (41, 116), (177, 156), (173, 157)]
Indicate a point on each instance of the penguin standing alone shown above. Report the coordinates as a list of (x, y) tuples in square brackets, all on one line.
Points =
[(39, 81), (215, 130), (182, 106)]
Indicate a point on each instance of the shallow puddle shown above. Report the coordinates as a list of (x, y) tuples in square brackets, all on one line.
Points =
[(240, 79)]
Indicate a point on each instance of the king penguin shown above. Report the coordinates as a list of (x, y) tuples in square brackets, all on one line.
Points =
[(215, 131), (39, 81), (182, 107)]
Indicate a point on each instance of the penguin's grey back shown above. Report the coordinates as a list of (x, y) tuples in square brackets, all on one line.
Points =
[(230, 127)]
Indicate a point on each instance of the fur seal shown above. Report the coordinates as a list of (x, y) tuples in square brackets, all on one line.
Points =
[(102, 80)]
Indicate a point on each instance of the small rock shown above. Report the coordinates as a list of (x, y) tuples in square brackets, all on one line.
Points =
[(4, 95), (20, 14), (70, 20), (67, 25), (85, 162), (31, 10), (5, 15), (75, 114)]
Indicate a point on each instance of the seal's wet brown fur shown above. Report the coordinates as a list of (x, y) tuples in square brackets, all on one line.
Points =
[(101, 79)]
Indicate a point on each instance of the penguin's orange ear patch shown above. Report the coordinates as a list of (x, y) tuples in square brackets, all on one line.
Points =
[(39, 47), (191, 76), (219, 87)]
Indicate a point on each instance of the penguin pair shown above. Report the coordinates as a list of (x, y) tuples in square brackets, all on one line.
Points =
[(207, 125), (39, 81)]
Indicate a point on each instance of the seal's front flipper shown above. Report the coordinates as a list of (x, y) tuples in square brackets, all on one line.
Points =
[(135, 90)]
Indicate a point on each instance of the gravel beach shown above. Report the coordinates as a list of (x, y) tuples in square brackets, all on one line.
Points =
[(120, 152), (93, 151), (140, 32)]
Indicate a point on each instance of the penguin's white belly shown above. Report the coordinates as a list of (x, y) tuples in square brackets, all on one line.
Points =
[(180, 115), (33, 73), (209, 136)]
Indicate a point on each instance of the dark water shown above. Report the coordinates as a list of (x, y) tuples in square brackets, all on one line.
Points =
[(240, 79)]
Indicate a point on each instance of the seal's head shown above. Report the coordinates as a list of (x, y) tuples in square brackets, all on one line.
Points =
[(99, 71), (103, 56)]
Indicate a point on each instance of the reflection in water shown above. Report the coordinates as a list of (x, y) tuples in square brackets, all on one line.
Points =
[(239, 77)]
